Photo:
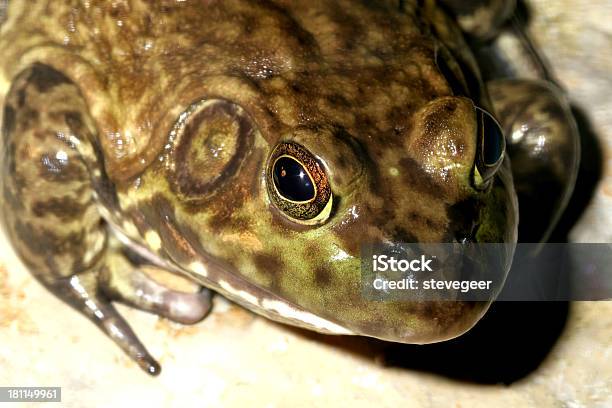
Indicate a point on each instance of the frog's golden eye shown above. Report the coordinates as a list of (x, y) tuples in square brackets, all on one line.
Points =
[(298, 185), (491, 147)]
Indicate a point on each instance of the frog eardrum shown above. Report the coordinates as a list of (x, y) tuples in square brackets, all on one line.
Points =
[(491, 148), (207, 146), (298, 185)]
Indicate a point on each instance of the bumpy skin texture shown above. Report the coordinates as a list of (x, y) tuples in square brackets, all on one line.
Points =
[(158, 118)]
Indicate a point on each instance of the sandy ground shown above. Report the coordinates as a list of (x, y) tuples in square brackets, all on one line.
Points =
[(547, 355)]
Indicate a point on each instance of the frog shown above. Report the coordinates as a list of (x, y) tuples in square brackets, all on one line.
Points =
[(252, 148)]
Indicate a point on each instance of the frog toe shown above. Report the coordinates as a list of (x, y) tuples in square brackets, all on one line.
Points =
[(81, 292), (130, 284), (185, 308), (146, 294)]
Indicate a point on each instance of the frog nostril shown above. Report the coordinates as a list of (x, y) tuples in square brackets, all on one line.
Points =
[(466, 239), (467, 234)]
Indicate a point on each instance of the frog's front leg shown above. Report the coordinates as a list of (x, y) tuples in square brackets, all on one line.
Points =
[(544, 148), (51, 183), (124, 279)]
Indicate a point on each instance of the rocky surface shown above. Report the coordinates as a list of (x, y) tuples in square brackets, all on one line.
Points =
[(234, 358)]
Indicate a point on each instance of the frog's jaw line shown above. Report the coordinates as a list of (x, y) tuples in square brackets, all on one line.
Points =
[(198, 268), (307, 320), (275, 309), (280, 311)]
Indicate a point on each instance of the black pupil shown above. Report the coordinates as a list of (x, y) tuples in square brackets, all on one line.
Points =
[(292, 180), (493, 140)]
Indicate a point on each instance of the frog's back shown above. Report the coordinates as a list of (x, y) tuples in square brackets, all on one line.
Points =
[(134, 62)]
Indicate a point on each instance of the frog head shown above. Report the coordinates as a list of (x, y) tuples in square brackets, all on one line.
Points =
[(275, 216), (276, 167)]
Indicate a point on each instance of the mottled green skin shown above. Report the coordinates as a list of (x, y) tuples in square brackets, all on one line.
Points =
[(355, 83)]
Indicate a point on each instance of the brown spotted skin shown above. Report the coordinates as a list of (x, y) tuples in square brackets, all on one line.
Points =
[(178, 107), (45, 179)]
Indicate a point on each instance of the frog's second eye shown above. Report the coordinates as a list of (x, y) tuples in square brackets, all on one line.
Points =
[(491, 147), (298, 185)]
